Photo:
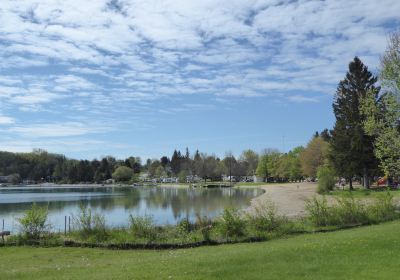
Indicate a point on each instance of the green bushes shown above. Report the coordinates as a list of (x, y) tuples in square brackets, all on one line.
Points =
[(143, 227), (326, 179), (264, 219), (232, 224), (205, 226), (383, 210), (33, 223), (347, 211), (261, 223), (90, 225)]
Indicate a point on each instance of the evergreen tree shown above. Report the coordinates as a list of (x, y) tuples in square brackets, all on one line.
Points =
[(352, 150)]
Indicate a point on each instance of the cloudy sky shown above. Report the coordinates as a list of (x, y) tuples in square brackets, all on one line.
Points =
[(126, 77)]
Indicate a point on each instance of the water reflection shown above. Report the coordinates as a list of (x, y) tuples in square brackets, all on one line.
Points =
[(166, 205)]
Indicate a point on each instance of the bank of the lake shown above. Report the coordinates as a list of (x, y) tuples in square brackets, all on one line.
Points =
[(370, 252)]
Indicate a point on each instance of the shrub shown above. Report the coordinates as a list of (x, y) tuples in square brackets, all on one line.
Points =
[(143, 227), (319, 212), (205, 226), (89, 225), (383, 210), (349, 211), (264, 218), (184, 226), (232, 224), (33, 223), (326, 179)]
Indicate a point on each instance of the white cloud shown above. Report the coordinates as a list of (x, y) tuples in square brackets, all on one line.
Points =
[(302, 99), (6, 120), (52, 130), (103, 63)]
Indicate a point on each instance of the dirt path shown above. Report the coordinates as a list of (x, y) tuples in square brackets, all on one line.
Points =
[(289, 199)]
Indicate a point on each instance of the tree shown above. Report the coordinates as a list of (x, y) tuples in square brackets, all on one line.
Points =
[(313, 156), (229, 163), (251, 161), (122, 174), (383, 115), (352, 149), (268, 163)]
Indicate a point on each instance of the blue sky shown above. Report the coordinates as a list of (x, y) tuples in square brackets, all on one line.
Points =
[(126, 77)]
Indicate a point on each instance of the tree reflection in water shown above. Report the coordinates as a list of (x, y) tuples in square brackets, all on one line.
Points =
[(165, 204)]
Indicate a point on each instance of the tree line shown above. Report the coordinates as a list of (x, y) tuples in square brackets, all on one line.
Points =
[(269, 165)]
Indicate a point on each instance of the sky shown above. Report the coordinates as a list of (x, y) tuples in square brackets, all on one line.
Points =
[(125, 77)]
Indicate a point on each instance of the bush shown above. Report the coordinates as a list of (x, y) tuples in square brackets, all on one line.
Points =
[(204, 225), (349, 211), (265, 218), (89, 225), (33, 223), (383, 209), (326, 179), (143, 227), (184, 226), (319, 213), (232, 224)]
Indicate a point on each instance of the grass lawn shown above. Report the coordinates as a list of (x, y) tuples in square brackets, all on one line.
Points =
[(371, 252)]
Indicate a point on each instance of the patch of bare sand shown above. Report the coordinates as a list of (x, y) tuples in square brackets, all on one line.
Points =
[(289, 198)]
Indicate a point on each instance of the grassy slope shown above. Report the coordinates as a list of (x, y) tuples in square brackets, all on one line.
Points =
[(364, 253)]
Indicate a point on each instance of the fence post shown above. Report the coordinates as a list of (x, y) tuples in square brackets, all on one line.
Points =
[(65, 225), (3, 224), (69, 224)]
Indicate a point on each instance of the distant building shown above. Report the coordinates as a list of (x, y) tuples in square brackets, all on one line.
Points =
[(257, 179), (4, 179), (109, 181)]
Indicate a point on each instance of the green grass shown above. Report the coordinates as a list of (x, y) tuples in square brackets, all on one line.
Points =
[(363, 193), (371, 252)]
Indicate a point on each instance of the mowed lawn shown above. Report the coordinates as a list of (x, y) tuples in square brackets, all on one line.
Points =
[(371, 252)]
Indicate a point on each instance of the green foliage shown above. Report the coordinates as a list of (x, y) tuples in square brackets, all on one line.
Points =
[(264, 218), (351, 148), (326, 179), (314, 156), (232, 223), (122, 174), (384, 209), (89, 225), (143, 227), (319, 212), (205, 226), (33, 222), (348, 211), (382, 123), (182, 176)]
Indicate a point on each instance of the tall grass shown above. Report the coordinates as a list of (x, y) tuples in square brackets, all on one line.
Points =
[(264, 218), (347, 211), (232, 224), (89, 226), (143, 227)]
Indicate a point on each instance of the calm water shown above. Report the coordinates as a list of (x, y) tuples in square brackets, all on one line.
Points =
[(166, 205)]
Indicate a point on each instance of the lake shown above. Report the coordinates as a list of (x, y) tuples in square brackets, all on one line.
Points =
[(167, 205)]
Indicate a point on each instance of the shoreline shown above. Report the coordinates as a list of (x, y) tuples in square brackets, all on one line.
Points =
[(289, 199)]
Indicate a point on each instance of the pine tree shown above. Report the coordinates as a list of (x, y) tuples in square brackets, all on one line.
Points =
[(352, 150)]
